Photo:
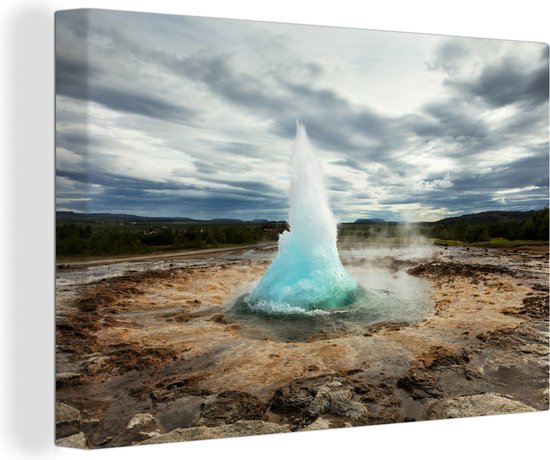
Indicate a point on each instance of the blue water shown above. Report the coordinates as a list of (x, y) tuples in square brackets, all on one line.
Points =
[(372, 306)]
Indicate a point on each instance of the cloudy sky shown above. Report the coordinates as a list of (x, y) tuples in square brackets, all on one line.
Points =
[(176, 116)]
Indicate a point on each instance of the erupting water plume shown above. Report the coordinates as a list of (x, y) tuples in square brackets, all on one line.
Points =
[(307, 273)]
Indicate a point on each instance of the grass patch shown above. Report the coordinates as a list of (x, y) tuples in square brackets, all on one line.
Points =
[(439, 242), (492, 243), (504, 243)]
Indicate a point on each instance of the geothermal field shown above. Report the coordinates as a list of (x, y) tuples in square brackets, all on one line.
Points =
[(156, 351), (301, 335)]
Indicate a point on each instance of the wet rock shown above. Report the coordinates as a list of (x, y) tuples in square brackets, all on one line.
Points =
[(319, 424), (218, 318), (337, 398), (65, 378), (142, 422), (540, 287), (77, 441), (431, 269), (240, 428), (67, 420), (161, 395), (171, 390), (181, 413), (105, 441), (140, 427), (130, 357), (329, 394), (442, 359), (475, 405), (183, 317), (296, 396), (524, 338), (420, 383), (229, 406), (322, 423), (97, 364), (535, 307)]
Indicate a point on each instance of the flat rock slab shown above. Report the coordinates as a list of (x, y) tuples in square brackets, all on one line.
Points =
[(240, 428), (476, 405), (182, 413), (230, 406), (324, 424), (142, 422), (324, 395), (67, 420), (77, 441)]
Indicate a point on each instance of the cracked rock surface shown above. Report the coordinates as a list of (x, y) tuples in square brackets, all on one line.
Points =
[(151, 353)]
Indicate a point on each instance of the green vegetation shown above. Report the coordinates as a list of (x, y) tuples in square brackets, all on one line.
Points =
[(85, 239), (493, 231), (110, 235), (492, 243)]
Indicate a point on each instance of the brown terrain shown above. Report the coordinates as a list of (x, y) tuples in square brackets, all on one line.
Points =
[(151, 352)]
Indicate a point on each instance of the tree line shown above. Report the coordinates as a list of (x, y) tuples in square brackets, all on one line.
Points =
[(84, 239), (80, 239), (531, 228)]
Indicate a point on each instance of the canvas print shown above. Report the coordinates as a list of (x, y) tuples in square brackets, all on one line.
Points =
[(268, 228)]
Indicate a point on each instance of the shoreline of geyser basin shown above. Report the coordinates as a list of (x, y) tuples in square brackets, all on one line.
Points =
[(147, 352)]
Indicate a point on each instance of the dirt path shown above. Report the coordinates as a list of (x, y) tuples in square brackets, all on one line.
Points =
[(160, 256)]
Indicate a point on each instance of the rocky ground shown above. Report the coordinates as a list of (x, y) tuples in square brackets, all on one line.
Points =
[(151, 354)]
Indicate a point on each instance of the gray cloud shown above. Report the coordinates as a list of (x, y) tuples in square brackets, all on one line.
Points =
[(80, 81), (339, 184), (516, 174), (502, 81), (474, 191), (509, 82), (206, 108), (454, 119)]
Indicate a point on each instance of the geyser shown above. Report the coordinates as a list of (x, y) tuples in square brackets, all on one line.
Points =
[(307, 273)]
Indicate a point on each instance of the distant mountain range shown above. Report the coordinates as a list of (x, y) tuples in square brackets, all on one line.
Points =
[(486, 217), (479, 218), (105, 216), (369, 221), (68, 216)]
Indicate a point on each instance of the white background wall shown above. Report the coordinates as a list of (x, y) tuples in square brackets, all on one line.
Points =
[(27, 235)]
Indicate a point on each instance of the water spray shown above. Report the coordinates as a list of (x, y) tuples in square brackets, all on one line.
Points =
[(307, 273)]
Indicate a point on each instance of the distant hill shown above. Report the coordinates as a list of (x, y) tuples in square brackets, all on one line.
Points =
[(107, 217), (485, 226), (486, 217), (70, 216), (369, 221), (225, 221)]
